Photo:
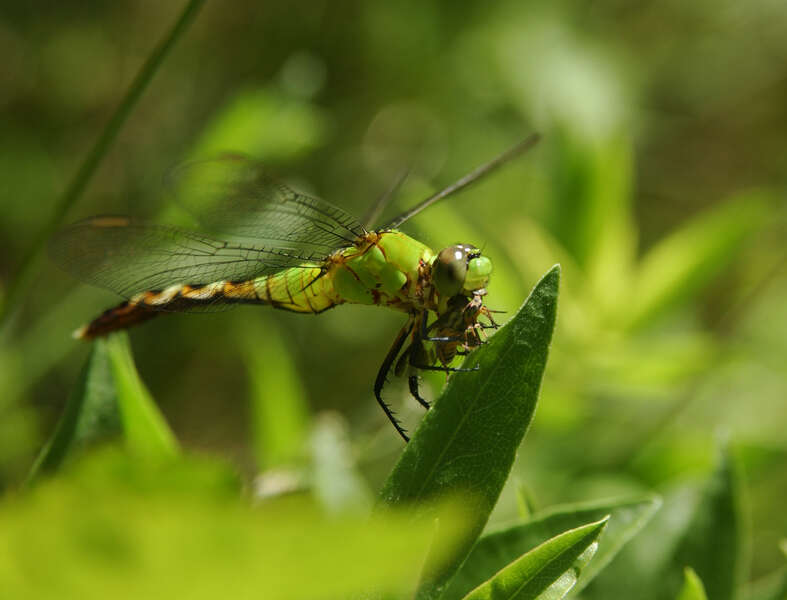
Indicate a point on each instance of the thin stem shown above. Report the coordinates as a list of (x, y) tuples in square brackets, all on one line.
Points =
[(93, 159)]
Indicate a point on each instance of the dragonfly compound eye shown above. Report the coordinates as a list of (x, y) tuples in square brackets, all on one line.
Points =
[(450, 269), (478, 271)]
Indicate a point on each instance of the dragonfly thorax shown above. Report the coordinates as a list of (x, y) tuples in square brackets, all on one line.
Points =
[(460, 269)]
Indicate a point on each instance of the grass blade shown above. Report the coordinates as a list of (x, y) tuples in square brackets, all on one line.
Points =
[(97, 153)]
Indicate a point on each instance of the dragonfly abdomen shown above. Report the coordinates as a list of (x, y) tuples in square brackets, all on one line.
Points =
[(286, 290)]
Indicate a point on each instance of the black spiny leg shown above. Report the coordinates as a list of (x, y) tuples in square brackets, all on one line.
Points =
[(379, 382), (413, 381)]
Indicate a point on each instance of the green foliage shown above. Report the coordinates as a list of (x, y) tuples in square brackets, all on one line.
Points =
[(686, 261), (467, 442), (658, 187), (692, 586), (546, 572), (280, 427), (770, 587), (701, 525), (499, 547), (145, 431), (109, 400), (117, 527)]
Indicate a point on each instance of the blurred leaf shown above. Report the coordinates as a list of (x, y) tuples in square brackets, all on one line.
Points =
[(115, 528), (265, 124), (547, 572), (498, 548), (770, 587), (337, 483), (682, 264), (692, 586), (590, 209), (90, 414), (108, 399), (145, 430), (699, 525), (467, 441), (279, 412), (714, 541), (95, 156), (525, 502)]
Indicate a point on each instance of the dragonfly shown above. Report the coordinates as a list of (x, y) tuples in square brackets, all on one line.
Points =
[(294, 252)]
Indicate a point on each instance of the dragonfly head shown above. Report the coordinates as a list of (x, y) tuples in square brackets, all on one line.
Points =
[(460, 269)]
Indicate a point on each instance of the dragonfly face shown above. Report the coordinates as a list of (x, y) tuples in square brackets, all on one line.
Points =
[(460, 269)]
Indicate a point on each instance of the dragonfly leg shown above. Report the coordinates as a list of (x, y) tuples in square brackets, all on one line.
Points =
[(427, 338), (445, 369), (413, 382), (448, 338), (385, 368)]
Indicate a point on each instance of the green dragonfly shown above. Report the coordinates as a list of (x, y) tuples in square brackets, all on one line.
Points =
[(290, 251)]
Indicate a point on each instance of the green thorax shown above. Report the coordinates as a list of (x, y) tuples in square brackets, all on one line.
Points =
[(386, 268)]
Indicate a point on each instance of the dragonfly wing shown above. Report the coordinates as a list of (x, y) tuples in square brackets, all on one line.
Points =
[(128, 257), (235, 195)]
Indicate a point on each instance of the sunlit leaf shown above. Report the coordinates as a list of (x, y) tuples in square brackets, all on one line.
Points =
[(547, 572), (499, 547), (145, 430), (692, 586), (264, 124), (466, 444), (590, 210), (115, 527)]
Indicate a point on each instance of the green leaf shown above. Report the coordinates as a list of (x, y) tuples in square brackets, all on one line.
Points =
[(90, 413), (335, 478), (109, 400), (546, 572), (699, 525), (686, 261), (590, 203), (770, 587), (145, 430), (467, 442), (715, 539), (265, 124), (498, 548), (692, 586), (279, 413), (115, 527)]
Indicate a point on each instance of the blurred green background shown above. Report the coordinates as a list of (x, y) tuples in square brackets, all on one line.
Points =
[(659, 185)]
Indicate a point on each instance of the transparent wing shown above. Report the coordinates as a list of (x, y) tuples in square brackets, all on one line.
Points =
[(234, 195), (127, 257)]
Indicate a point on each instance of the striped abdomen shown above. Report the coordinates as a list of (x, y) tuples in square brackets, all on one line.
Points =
[(303, 290)]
